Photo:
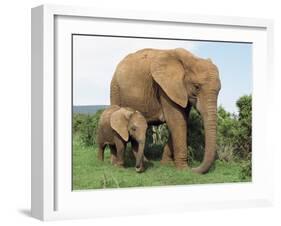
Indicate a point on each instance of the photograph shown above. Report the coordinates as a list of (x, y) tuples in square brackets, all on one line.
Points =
[(151, 111)]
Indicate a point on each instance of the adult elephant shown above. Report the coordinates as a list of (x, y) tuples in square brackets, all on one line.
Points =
[(164, 85)]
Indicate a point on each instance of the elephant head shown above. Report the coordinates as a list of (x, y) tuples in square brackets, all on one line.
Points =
[(189, 80), (127, 122)]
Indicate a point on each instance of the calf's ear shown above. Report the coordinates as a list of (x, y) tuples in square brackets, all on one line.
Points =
[(119, 122)]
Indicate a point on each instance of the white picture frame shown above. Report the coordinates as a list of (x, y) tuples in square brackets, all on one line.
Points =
[(52, 197)]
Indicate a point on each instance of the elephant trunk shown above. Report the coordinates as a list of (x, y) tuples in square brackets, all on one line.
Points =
[(210, 127), (139, 157)]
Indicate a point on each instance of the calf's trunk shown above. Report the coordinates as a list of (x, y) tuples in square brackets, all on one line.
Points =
[(139, 158)]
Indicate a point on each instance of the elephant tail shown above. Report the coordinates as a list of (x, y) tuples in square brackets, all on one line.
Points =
[(114, 93)]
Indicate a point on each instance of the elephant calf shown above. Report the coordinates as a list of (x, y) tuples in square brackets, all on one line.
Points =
[(117, 126)]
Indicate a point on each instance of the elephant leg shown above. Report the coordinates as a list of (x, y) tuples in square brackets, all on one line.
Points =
[(177, 123), (167, 156), (101, 152), (144, 158), (120, 148), (113, 154)]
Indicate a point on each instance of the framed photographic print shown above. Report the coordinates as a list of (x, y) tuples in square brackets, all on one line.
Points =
[(136, 113)]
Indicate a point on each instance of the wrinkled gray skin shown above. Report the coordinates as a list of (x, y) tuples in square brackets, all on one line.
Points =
[(163, 85), (117, 126)]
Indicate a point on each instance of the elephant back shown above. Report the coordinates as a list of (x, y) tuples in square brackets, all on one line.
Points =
[(133, 86)]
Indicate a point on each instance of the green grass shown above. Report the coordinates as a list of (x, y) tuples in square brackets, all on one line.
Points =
[(90, 173)]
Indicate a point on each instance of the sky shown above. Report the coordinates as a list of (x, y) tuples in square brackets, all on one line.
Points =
[(95, 59)]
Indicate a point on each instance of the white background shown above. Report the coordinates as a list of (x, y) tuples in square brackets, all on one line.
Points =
[(15, 112)]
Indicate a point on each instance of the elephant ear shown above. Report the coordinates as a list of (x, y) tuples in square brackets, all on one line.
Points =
[(119, 122), (169, 74)]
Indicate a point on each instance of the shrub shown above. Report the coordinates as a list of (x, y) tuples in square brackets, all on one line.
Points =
[(156, 138), (195, 136), (226, 130), (235, 132), (246, 168), (86, 126), (243, 140), (157, 135), (78, 120)]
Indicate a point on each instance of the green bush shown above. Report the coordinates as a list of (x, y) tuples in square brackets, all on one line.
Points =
[(85, 126), (243, 140), (77, 123), (226, 135), (156, 138), (157, 135), (195, 136), (246, 168), (235, 132)]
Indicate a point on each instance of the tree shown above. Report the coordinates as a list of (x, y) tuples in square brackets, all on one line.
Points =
[(195, 136), (86, 126), (244, 133), (226, 127)]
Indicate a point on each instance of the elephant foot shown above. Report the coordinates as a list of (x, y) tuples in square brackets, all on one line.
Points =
[(140, 169), (100, 158), (113, 161), (167, 157), (167, 161), (119, 165), (182, 166), (145, 159)]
